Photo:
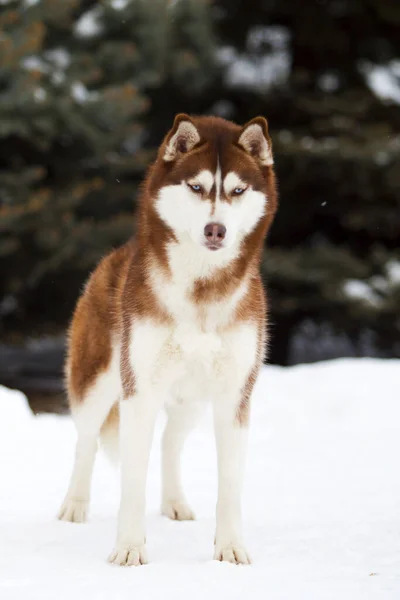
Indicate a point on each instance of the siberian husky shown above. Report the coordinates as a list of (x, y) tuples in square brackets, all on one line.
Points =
[(175, 318)]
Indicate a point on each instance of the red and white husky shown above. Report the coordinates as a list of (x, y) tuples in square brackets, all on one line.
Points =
[(174, 319)]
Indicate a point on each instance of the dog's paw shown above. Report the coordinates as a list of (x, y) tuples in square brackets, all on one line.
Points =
[(233, 553), (73, 510), (129, 556), (177, 511)]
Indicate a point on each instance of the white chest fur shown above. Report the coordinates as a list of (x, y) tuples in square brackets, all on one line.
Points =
[(188, 264), (203, 352), (184, 364)]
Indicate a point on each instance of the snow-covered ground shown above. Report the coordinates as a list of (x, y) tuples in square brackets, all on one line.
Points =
[(321, 501)]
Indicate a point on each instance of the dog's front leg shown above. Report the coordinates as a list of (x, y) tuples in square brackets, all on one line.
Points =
[(231, 440), (137, 419)]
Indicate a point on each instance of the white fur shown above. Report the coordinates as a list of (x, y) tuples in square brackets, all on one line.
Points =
[(187, 213), (205, 179), (89, 415), (217, 179), (233, 181), (183, 210), (241, 216), (137, 415), (231, 450), (188, 264)]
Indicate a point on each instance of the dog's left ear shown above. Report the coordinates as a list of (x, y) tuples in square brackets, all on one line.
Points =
[(182, 137), (255, 140)]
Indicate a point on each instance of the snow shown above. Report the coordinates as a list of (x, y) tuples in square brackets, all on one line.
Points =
[(265, 64), (383, 80), (379, 283), (59, 57), (56, 62), (119, 4), (366, 291), (360, 290), (81, 94), (34, 63), (393, 271), (88, 25), (321, 501)]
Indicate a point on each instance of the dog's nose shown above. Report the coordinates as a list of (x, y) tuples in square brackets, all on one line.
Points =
[(215, 233)]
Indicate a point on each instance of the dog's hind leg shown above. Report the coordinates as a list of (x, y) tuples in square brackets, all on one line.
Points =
[(182, 419), (89, 415)]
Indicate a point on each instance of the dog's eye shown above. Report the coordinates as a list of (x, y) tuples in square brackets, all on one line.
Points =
[(195, 188), (237, 191)]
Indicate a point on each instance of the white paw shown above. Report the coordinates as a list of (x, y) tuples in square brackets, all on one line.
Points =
[(177, 511), (233, 553), (129, 556), (73, 510)]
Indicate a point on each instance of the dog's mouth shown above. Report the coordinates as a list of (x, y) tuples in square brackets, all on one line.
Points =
[(213, 247)]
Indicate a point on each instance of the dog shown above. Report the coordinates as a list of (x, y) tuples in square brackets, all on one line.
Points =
[(173, 318)]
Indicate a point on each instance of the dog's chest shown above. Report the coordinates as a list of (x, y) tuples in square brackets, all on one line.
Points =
[(202, 351), (186, 362)]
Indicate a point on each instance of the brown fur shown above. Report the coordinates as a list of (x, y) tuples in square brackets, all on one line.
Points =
[(96, 318), (254, 303)]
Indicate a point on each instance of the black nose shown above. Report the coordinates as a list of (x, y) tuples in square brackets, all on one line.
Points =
[(215, 233)]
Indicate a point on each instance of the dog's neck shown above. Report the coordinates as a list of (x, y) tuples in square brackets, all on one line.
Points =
[(200, 275)]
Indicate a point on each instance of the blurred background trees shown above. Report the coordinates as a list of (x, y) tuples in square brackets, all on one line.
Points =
[(88, 89)]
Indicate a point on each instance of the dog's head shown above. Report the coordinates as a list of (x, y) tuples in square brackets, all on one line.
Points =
[(213, 182)]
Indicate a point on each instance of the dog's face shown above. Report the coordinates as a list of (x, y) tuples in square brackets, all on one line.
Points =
[(213, 187)]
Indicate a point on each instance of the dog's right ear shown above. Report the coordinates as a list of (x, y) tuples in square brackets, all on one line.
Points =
[(182, 137), (256, 141)]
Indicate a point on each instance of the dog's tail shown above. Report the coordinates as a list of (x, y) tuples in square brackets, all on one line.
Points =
[(109, 434)]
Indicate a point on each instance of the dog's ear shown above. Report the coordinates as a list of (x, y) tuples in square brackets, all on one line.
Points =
[(255, 140), (181, 139)]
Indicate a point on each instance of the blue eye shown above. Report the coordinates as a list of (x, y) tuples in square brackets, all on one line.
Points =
[(237, 191), (195, 188)]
